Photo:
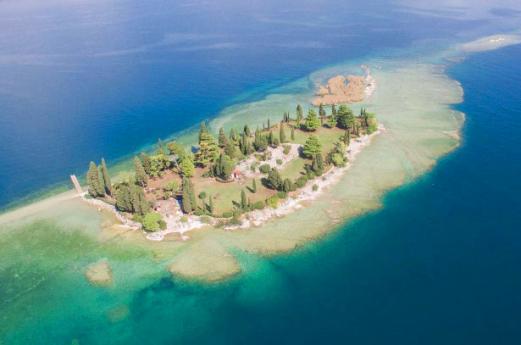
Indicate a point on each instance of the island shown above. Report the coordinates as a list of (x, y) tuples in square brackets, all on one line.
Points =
[(233, 180)]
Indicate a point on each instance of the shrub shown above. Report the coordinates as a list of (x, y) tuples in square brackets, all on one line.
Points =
[(202, 195), (282, 195), (162, 224), (235, 220), (286, 149), (199, 212), (265, 168), (279, 161), (259, 205), (272, 201), (184, 219), (151, 221), (301, 181), (276, 142), (314, 188)]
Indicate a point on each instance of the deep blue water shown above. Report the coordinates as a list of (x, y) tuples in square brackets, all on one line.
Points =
[(81, 80)]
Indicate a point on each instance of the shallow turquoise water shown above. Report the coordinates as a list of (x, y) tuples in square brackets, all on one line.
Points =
[(439, 264)]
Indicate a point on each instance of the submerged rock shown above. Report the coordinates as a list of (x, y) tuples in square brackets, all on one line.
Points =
[(99, 273)]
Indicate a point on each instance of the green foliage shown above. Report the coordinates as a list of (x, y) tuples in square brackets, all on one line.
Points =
[(286, 149), (265, 168), (260, 142), (152, 222), (254, 186), (311, 122), (223, 168), (210, 204), (321, 110), (107, 185), (317, 165), (312, 146), (208, 148), (222, 138), (287, 186), (188, 201), (272, 201), (300, 114), (314, 188), (169, 189), (141, 175), (346, 138), (274, 180), (246, 131), (292, 134), (234, 136), (95, 185), (282, 133), (275, 142), (175, 149), (345, 117), (130, 198), (227, 214), (259, 205), (202, 195), (282, 194), (231, 150), (158, 163), (331, 121), (301, 181), (245, 144), (337, 155), (333, 110), (186, 165), (279, 161), (244, 200), (145, 161)]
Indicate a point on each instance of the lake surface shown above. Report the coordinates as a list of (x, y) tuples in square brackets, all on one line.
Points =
[(438, 264)]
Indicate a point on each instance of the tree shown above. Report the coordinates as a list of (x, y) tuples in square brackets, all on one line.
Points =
[(244, 201), (188, 201), (345, 118), (94, 183), (158, 163), (210, 204), (208, 149), (273, 181), (287, 186), (246, 131), (160, 147), (346, 138), (224, 167), (282, 133), (123, 198), (174, 148), (152, 221), (311, 122), (222, 138), (106, 178), (292, 133), (145, 160), (139, 204), (231, 150), (333, 110), (170, 189), (260, 142), (300, 114), (186, 165), (331, 121), (245, 145), (317, 165), (141, 175), (234, 137), (312, 146), (254, 186), (337, 155)]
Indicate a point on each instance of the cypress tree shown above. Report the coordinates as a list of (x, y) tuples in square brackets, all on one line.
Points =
[(247, 131), (300, 114), (333, 110), (269, 124), (188, 197), (321, 110), (292, 133), (106, 178), (186, 165), (254, 186), (123, 198), (312, 122), (210, 204), (141, 176), (95, 186), (282, 133), (139, 204), (208, 148), (147, 164), (234, 137), (244, 201), (222, 138)]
